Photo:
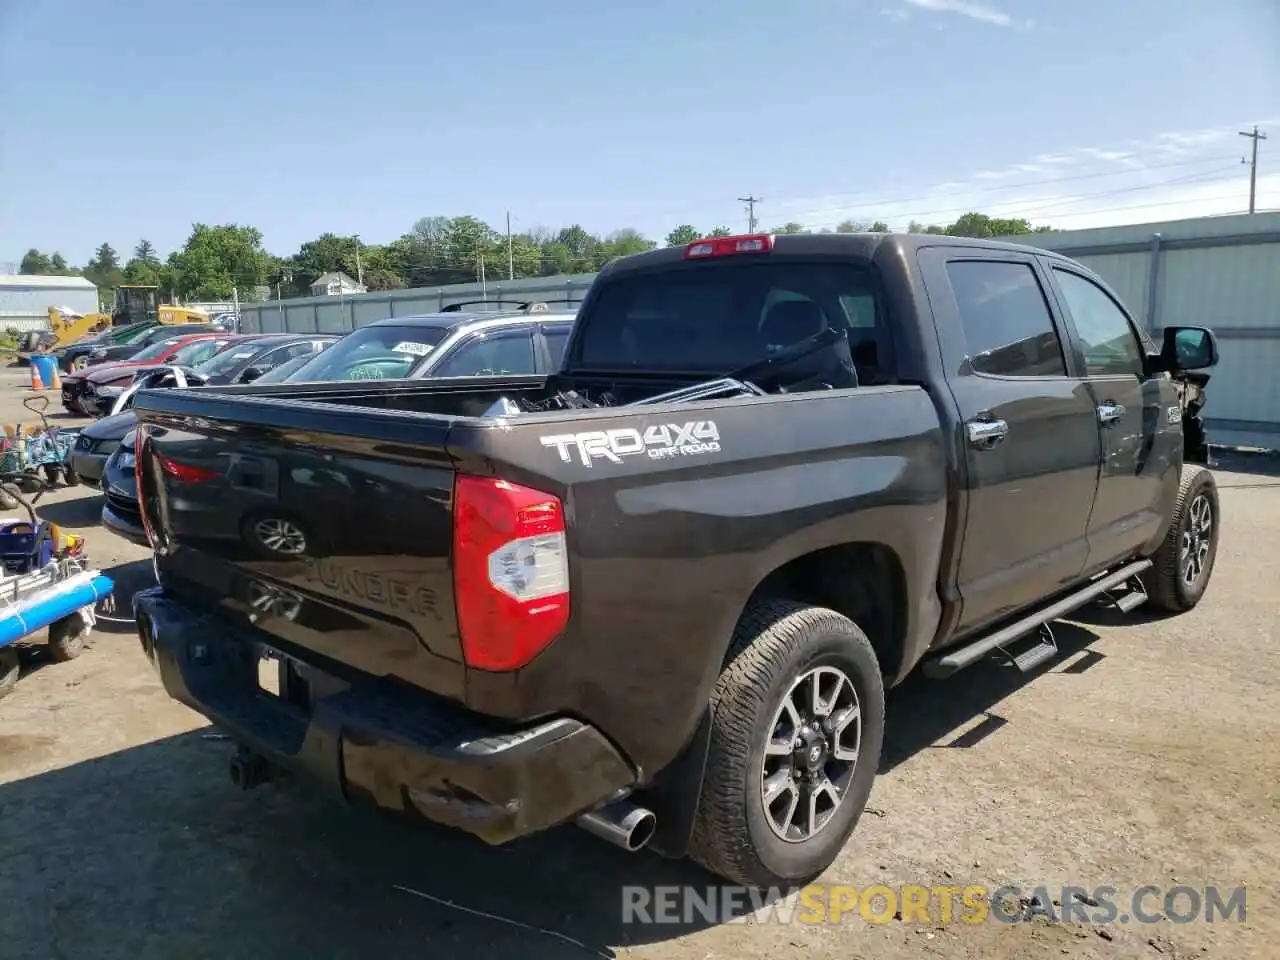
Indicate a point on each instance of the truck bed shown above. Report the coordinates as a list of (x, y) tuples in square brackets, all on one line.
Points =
[(663, 549)]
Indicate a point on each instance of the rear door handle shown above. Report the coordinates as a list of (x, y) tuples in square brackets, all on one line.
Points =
[(985, 434), (1109, 413)]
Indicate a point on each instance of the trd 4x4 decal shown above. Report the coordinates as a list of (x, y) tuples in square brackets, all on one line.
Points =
[(658, 442)]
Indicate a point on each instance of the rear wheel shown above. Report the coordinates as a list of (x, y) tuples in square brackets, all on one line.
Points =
[(8, 670), (1184, 562), (797, 727), (80, 362)]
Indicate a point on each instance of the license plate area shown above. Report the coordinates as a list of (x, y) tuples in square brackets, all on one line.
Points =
[(270, 667), (282, 678)]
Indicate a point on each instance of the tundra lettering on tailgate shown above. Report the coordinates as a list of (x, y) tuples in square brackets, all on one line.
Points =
[(658, 442)]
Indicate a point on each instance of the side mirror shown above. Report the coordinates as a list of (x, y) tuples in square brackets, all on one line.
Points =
[(1188, 348), (251, 374)]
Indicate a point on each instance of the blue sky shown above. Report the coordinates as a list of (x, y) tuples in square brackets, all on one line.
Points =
[(136, 119)]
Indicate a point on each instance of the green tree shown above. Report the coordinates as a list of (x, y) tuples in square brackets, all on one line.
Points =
[(879, 227), (623, 243), (217, 260), (103, 270), (790, 228), (142, 272), (980, 225), (144, 252), (850, 226), (35, 262), (916, 226), (721, 232), (685, 233)]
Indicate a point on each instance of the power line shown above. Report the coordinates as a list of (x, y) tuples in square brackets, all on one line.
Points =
[(1253, 165), (843, 208), (1095, 175), (751, 202)]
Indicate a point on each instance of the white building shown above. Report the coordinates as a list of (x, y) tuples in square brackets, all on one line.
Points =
[(335, 284), (25, 299)]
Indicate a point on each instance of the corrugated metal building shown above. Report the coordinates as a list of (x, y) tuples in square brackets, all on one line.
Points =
[(25, 299), (1218, 272)]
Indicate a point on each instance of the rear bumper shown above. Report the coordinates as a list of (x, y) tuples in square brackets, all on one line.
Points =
[(363, 741), (125, 526)]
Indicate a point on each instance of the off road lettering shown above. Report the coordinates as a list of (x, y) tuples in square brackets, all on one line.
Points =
[(658, 442)]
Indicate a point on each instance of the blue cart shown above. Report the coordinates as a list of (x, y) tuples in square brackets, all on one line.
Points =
[(46, 581)]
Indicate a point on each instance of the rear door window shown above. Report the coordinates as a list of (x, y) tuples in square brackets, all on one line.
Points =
[(497, 354), (556, 338), (717, 318), (1008, 328)]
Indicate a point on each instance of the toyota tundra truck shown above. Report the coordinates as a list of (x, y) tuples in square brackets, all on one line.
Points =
[(661, 592)]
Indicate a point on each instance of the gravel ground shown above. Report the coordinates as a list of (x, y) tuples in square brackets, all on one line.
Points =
[(1147, 754)]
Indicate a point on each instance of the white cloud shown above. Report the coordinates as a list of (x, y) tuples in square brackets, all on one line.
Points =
[(896, 14), (1069, 189), (982, 12)]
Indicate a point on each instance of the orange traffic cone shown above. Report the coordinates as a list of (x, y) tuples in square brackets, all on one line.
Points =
[(57, 380), (36, 382)]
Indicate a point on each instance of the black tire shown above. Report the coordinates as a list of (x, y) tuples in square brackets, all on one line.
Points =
[(9, 669), (67, 637), (776, 643), (1166, 583)]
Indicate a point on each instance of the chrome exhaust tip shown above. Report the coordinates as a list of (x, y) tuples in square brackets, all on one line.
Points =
[(622, 823)]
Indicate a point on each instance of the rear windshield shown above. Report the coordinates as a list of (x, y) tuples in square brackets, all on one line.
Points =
[(373, 353), (716, 318)]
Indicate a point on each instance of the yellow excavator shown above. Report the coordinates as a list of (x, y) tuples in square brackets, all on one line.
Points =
[(135, 305)]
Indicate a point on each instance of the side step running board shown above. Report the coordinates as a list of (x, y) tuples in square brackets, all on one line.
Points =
[(971, 653)]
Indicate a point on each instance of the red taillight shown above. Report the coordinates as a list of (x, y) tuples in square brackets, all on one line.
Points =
[(185, 471), (510, 571), (727, 246)]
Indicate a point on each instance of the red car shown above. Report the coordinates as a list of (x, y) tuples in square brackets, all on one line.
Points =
[(186, 350)]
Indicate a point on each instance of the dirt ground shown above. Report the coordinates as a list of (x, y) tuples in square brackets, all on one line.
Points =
[(1147, 754)]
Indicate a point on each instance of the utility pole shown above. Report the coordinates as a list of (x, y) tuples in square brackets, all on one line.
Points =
[(359, 269), (1253, 166), (511, 263), (751, 202)]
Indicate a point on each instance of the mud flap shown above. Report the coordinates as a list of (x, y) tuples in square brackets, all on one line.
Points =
[(674, 796)]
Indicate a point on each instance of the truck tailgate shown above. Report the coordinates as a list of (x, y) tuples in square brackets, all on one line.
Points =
[(330, 535)]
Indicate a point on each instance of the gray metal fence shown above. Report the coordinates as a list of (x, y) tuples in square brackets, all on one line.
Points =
[(1220, 272), (343, 313)]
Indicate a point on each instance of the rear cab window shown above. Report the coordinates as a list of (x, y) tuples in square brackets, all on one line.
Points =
[(715, 318)]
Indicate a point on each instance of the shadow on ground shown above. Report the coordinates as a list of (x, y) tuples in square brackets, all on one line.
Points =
[(922, 713), (85, 511), (1235, 460), (152, 852)]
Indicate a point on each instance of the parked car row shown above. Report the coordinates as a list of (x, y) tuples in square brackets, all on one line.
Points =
[(528, 341)]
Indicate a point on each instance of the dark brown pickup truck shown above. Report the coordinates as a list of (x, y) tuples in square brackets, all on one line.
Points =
[(661, 592)]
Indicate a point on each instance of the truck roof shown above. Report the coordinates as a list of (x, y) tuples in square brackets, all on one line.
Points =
[(857, 246)]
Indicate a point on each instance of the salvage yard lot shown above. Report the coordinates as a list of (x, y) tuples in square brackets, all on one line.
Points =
[(1148, 753)]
